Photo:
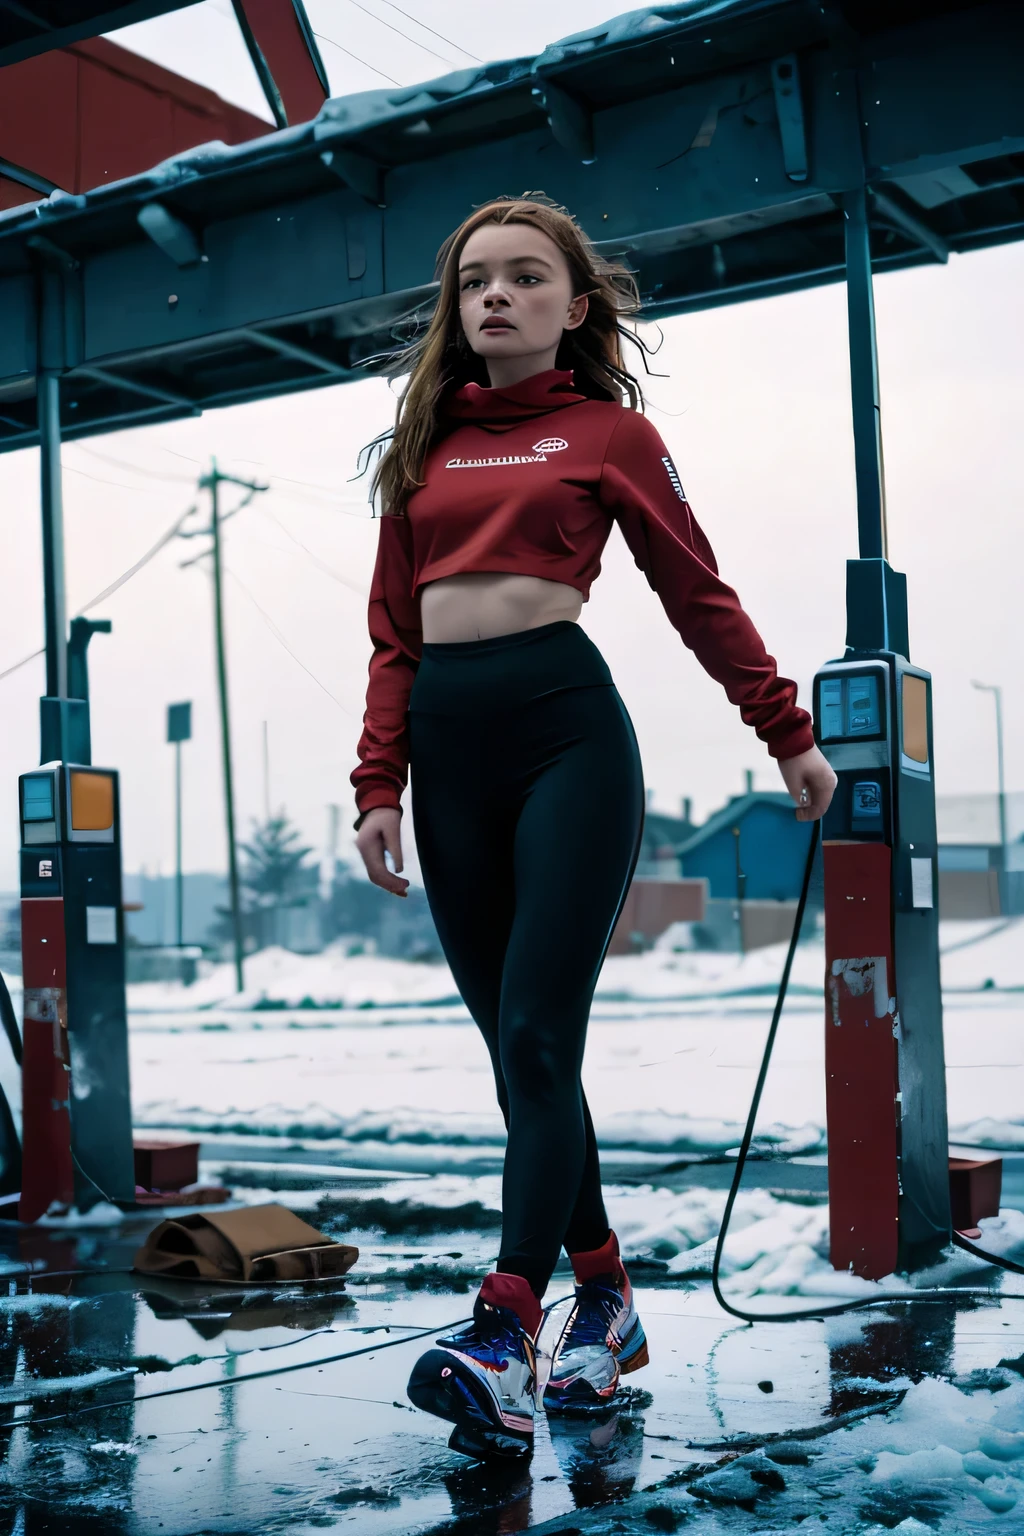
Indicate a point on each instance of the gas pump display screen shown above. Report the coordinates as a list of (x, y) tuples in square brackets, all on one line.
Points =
[(850, 708), (38, 792)]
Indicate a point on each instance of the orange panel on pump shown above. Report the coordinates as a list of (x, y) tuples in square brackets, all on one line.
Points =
[(860, 1059), (92, 801), (915, 717)]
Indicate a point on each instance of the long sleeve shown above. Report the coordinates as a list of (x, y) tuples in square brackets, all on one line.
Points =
[(641, 489), (394, 624)]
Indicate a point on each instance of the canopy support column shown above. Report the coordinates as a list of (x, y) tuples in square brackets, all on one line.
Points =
[(876, 595)]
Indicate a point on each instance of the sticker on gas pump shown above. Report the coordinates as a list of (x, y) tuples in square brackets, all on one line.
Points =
[(921, 885), (101, 925)]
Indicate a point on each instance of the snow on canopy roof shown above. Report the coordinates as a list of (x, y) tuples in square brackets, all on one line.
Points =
[(638, 26), (621, 60)]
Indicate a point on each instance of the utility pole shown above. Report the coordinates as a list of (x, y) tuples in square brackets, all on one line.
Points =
[(179, 729), (212, 482), (266, 773), (997, 693), (741, 889)]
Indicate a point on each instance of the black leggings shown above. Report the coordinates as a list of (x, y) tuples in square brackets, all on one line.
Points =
[(528, 805)]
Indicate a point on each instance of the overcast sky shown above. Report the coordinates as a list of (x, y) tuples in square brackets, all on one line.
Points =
[(754, 405)]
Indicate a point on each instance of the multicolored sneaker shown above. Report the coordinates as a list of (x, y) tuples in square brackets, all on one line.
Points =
[(603, 1337), (483, 1380)]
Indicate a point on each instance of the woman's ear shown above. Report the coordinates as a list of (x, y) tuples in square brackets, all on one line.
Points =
[(577, 312)]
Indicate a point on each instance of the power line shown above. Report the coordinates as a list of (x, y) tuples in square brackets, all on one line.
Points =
[(321, 503), (399, 33), (137, 469), (358, 60), (22, 663), (431, 30), (100, 597), (102, 480), (150, 554), (336, 498), (314, 485), (265, 616), (320, 564)]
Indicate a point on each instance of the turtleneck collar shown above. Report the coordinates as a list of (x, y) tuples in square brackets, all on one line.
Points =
[(534, 396)]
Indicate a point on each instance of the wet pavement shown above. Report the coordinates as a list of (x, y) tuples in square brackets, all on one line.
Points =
[(134, 1405)]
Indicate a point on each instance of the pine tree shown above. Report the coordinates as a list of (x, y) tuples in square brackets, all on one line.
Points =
[(274, 875)]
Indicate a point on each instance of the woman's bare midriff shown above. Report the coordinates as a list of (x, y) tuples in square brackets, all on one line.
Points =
[(482, 605)]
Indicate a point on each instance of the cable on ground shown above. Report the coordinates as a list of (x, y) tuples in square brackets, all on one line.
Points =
[(237, 1381), (805, 1314)]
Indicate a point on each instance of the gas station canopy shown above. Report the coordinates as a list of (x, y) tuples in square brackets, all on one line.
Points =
[(30, 27), (710, 142)]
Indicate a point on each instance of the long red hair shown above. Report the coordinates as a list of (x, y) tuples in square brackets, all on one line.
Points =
[(441, 360)]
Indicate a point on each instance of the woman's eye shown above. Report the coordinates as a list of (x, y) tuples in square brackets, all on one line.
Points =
[(470, 283), (527, 277)]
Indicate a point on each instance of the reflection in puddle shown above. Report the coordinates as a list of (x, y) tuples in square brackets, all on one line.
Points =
[(873, 1353), (213, 1313), (599, 1460)]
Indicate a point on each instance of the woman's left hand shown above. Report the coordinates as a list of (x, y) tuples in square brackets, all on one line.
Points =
[(811, 782)]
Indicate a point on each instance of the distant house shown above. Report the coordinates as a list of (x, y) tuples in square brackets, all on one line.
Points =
[(753, 849), (981, 879), (663, 836)]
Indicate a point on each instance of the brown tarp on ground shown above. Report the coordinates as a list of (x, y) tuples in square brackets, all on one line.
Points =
[(259, 1245)]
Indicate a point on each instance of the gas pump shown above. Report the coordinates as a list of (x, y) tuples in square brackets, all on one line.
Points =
[(884, 1060), (76, 1111)]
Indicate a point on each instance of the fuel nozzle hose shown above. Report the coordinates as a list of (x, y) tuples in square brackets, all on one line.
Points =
[(834, 1310)]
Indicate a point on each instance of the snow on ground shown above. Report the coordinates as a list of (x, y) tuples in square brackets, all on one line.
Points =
[(943, 1441), (675, 1044), (672, 1080), (776, 1247), (976, 956), (400, 1073), (947, 1459)]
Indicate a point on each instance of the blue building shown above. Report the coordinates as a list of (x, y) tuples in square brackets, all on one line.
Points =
[(753, 848)]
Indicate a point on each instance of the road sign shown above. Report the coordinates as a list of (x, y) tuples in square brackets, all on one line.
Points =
[(179, 722)]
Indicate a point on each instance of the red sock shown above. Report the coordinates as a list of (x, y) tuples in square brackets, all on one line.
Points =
[(596, 1262), (513, 1292)]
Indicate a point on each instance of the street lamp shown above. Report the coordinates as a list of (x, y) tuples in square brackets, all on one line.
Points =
[(179, 729), (997, 693)]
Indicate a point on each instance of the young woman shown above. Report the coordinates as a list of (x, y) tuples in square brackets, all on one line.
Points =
[(518, 444)]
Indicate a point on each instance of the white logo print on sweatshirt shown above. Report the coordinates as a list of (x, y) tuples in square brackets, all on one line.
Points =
[(538, 455), (677, 484)]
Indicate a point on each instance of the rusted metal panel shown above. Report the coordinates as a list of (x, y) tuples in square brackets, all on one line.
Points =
[(860, 1059)]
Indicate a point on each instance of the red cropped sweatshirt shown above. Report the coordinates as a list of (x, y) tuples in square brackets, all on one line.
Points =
[(528, 480)]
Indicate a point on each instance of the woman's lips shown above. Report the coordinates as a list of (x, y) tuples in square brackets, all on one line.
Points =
[(497, 325)]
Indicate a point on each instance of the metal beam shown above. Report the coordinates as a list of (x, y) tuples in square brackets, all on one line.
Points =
[(299, 354), (571, 123), (259, 63), (26, 178), (789, 109), (290, 239), (52, 505), (915, 229), (135, 386), (867, 409), (170, 234), (357, 171), (92, 18)]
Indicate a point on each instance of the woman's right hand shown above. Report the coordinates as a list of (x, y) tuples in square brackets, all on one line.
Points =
[(381, 833)]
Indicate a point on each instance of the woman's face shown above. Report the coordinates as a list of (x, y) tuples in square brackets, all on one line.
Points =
[(515, 295)]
